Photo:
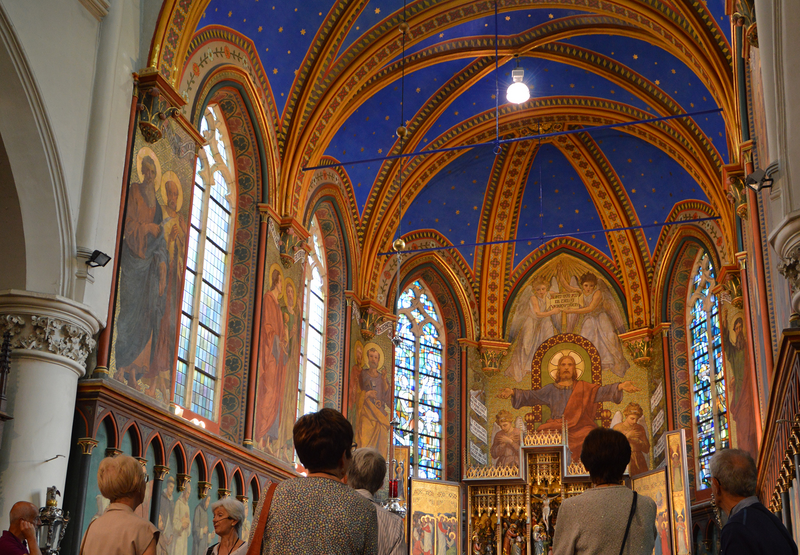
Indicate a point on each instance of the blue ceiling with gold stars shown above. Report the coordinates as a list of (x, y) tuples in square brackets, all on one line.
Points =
[(587, 65)]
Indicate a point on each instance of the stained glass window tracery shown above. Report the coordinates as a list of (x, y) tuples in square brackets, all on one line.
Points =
[(312, 342), (202, 325), (708, 383), (418, 380)]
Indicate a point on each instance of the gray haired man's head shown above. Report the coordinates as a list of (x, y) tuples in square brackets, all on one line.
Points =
[(367, 470), (735, 470)]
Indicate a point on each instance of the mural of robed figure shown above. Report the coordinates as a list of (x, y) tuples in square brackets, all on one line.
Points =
[(569, 399), (374, 403), (273, 356), (143, 278)]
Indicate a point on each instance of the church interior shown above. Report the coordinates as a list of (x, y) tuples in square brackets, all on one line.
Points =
[(220, 215)]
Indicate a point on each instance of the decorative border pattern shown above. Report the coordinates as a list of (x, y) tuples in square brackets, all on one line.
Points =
[(241, 299), (679, 353)]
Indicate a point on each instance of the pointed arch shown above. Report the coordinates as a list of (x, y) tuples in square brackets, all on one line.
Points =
[(136, 439), (158, 447)]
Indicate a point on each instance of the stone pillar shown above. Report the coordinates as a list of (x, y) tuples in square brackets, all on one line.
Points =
[(159, 473), (51, 337), (777, 41)]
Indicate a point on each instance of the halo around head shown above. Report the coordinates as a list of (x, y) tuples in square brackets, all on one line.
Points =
[(377, 347), (171, 176), (272, 269), (147, 151), (553, 364), (287, 283)]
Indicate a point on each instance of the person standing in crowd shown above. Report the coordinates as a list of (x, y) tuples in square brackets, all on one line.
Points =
[(228, 519), (24, 519), (119, 531), (751, 528), (365, 475), (586, 522), (344, 522)]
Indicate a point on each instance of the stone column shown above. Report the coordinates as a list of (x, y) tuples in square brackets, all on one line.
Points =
[(51, 337), (76, 504), (778, 41), (159, 473)]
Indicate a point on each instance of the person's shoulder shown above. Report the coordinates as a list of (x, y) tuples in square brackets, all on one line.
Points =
[(357, 501)]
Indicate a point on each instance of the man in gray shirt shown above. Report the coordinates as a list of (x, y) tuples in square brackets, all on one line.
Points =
[(365, 475)]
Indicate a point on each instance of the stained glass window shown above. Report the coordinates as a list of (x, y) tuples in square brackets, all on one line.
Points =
[(312, 339), (418, 380), (202, 325), (708, 383)]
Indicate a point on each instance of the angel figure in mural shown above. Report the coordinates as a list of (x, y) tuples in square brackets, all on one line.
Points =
[(374, 402), (631, 423), (569, 398), (506, 439), (531, 326), (602, 319)]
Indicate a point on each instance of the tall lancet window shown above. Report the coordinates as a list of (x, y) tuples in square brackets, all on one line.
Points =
[(418, 380), (312, 344), (203, 319), (708, 384)]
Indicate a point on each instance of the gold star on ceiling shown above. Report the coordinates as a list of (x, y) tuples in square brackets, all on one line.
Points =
[(230, 14), (658, 82), (462, 241), (380, 151), (673, 71), (387, 118), (550, 16), (458, 212), (260, 28), (418, 89), (560, 225), (275, 71), (508, 18), (441, 35), (302, 31), (635, 56), (280, 29), (377, 10), (632, 190)]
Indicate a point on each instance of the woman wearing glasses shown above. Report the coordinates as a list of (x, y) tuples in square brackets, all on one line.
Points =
[(228, 519), (119, 531)]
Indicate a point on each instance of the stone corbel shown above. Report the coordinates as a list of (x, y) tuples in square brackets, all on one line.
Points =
[(294, 242), (157, 102), (143, 462), (640, 345), (160, 471), (492, 353), (222, 493), (737, 195)]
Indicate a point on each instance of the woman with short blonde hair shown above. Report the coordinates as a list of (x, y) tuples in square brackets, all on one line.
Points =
[(118, 531)]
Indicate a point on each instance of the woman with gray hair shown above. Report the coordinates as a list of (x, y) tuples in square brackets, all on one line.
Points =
[(118, 530), (228, 519)]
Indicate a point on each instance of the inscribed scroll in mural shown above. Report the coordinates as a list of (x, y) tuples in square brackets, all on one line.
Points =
[(152, 262)]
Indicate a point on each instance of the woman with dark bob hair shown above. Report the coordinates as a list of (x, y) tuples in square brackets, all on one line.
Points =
[(319, 513), (118, 530), (595, 521)]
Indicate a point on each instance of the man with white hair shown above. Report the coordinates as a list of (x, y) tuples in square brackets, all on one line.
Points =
[(365, 475), (24, 519), (751, 528)]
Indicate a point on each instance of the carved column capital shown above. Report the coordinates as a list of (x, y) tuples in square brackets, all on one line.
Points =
[(181, 480), (160, 471), (112, 452), (87, 445), (640, 345), (203, 488), (48, 325), (492, 353), (222, 493)]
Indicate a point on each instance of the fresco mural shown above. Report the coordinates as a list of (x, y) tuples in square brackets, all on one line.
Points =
[(566, 366), (435, 512), (152, 262), (278, 354), (739, 380), (370, 389), (654, 486)]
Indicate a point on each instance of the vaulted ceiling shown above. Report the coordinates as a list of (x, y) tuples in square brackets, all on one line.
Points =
[(334, 73)]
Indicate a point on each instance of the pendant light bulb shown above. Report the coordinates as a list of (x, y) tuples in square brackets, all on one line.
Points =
[(518, 92)]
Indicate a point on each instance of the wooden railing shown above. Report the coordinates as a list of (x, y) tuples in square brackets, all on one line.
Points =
[(782, 424)]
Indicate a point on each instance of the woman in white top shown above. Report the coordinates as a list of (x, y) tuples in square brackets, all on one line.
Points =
[(594, 522), (228, 519)]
